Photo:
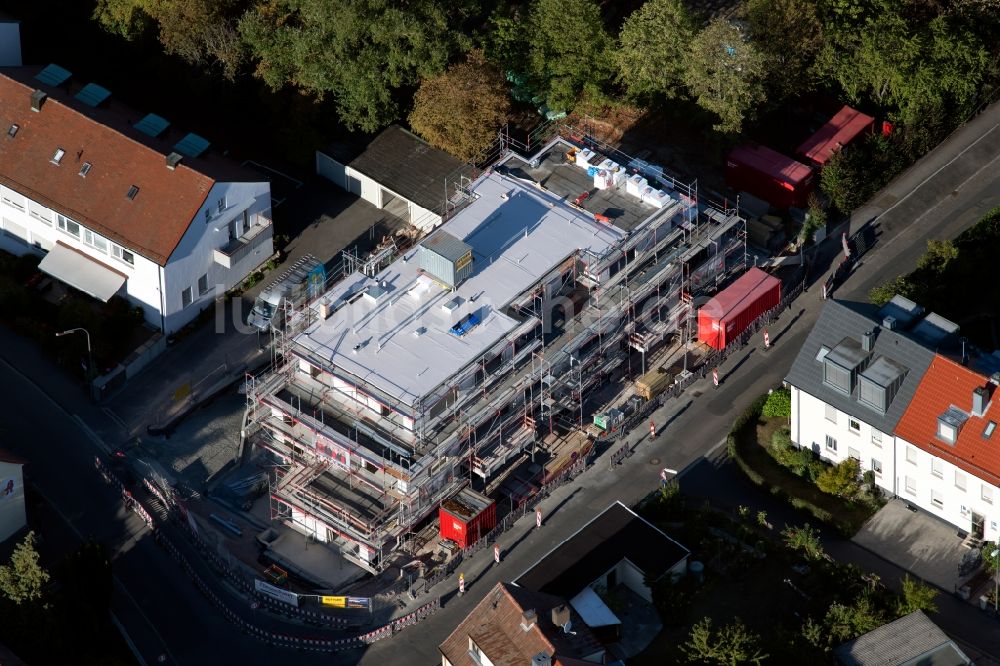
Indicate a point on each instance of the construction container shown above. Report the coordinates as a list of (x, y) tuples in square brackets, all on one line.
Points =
[(846, 126), (467, 517), (653, 383), (769, 175), (446, 259), (610, 419), (732, 310)]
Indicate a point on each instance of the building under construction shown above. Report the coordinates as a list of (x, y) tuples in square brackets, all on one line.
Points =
[(397, 388)]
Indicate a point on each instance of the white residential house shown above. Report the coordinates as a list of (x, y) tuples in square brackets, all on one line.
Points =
[(948, 448), (119, 204)]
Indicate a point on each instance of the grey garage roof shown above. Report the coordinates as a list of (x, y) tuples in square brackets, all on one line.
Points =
[(843, 319), (909, 641), (406, 164)]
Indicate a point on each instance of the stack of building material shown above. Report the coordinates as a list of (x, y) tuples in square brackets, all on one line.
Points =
[(653, 383)]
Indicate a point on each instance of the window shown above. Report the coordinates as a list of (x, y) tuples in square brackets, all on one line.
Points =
[(877, 467), (85, 169), (937, 468), (475, 652), (853, 453), (837, 377), (12, 130), (15, 231), (911, 485), (132, 191), (203, 285), (946, 431), (877, 438), (872, 395), (911, 455), (960, 480), (246, 221), (57, 157), (186, 297), (831, 443), (222, 204), (121, 254), (854, 426), (831, 413), (95, 241), (987, 494), (936, 499), (988, 430), (208, 215), (40, 213), (68, 225)]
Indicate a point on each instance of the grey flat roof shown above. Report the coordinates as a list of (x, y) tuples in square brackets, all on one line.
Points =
[(848, 353), (400, 343), (883, 371), (406, 164), (911, 640), (844, 319)]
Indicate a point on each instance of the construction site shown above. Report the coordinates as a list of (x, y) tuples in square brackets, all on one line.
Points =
[(557, 276)]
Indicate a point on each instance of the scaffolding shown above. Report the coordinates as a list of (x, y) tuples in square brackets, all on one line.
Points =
[(356, 465)]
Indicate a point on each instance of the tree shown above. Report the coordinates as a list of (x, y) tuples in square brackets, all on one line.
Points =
[(846, 622), (126, 18), (361, 52), (840, 479), (505, 44), (937, 256), (882, 293), (787, 32), (731, 645), (24, 578), (916, 597), (724, 72), (653, 44), (778, 404), (803, 538), (460, 110), (568, 50)]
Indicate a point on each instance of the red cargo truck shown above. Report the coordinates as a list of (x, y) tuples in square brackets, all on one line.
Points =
[(467, 517), (769, 175), (732, 310)]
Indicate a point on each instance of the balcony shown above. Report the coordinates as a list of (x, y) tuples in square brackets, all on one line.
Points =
[(235, 251)]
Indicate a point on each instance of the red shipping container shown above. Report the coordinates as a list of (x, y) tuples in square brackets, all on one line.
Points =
[(467, 517), (841, 130), (769, 175), (732, 310)]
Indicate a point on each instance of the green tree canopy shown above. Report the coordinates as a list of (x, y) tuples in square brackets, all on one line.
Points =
[(724, 74), (731, 645), (461, 110), (787, 33), (359, 51), (840, 479), (916, 597), (804, 538), (568, 50), (653, 44), (24, 578)]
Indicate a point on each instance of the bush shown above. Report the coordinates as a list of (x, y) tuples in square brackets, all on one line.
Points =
[(781, 438), (778, 404)]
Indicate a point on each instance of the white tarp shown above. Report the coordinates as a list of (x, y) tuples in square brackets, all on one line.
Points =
[(80, 271), (593, 611)]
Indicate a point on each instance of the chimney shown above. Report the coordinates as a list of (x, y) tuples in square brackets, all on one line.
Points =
[(528, 619), (37, 99), (560, 615), (889, 323), (325, 310), (867, 340), (173, 159), (541, 659), (980, 400)]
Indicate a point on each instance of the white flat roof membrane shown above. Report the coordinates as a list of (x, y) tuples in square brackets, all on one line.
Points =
[(402, 343)]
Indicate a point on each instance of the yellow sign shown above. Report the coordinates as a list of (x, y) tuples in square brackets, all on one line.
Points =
[(464, 261), (336, 602)]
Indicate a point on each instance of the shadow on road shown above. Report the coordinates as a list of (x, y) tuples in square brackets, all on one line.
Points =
[(736, 367), (788, 326)]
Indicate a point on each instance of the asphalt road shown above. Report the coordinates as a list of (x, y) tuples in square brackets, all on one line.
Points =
[(165, 615)]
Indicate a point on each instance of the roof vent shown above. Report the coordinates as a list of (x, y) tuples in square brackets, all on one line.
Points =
[(867, 340), (541, 659), (37, 99), (173, 159), (980, 400), (12, 130), (528, 619), (889, 323)]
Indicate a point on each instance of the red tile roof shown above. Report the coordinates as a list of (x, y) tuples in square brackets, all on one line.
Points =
[(947, 383), (151, 224)]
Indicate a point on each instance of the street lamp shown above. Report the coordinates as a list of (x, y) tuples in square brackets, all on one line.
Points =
[(90, 354), (996, 580)]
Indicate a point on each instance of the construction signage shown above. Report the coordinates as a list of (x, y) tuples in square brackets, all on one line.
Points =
[(336, 602), (276, 592), (359, 602)]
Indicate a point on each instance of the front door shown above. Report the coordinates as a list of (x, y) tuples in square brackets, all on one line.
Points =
[(232, 231), (978, 524)]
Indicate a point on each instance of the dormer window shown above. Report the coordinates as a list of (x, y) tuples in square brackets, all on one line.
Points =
[(12, 130), (947, 432), (85, 169), (57, 157), (950, 424)]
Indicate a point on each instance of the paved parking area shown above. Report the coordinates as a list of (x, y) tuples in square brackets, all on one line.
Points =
[(915, 541)]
